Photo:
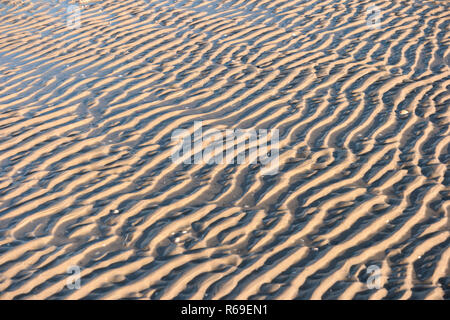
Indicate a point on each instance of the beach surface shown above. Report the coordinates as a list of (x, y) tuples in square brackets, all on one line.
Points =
[(93, 205)]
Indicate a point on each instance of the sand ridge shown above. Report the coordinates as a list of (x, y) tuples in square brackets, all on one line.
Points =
[(86, 117)]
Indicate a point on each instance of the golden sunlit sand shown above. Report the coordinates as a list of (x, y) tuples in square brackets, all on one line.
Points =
[(87, 113)]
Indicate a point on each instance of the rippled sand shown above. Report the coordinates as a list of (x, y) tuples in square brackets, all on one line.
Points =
[(86, 117)]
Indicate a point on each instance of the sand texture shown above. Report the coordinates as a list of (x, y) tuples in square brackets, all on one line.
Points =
[(86, 176)]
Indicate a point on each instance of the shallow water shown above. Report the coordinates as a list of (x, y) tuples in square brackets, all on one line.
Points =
[(86, 177)]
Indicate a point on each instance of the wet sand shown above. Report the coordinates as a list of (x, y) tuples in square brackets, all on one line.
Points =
[(87, 114)]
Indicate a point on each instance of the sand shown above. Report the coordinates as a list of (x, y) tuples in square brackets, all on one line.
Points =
[(87, 181)]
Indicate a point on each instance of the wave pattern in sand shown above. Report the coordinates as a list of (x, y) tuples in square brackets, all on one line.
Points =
[(86, 117)]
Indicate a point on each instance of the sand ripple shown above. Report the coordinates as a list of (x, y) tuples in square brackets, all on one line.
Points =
[(86, 117)]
